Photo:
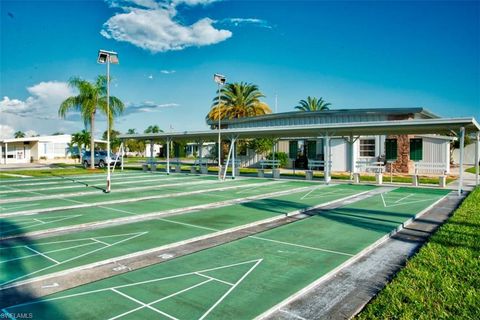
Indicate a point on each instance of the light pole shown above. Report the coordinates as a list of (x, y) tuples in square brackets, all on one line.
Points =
[(107, 57), (220, 80)]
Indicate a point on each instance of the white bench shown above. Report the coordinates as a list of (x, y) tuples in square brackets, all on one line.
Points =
[(269, 163), (371, 166), (430, 169), (312, 164)]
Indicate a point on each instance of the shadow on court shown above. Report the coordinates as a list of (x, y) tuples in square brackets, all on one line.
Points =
[(12, 266), (276, 206)]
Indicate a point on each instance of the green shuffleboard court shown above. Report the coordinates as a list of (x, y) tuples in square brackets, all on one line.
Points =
[(238, 280), (19, 260), (183, 196)]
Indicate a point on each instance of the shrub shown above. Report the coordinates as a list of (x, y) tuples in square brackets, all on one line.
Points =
[(281, 156)]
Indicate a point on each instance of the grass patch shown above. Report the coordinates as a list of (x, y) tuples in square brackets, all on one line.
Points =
[(442, 281), (471, 170)]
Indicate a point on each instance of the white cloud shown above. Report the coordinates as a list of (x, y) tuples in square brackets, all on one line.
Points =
[(247, 21), (167, 71), (31, 133), (150, 76), (147, 106), (6, 131), (154, 28), (39, 111), (193, 2), (43, 103)]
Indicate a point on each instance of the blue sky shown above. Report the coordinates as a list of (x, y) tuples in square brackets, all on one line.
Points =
[(353, 54)]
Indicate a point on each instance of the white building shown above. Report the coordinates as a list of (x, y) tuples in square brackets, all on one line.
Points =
[(25, 150), (403, 151)]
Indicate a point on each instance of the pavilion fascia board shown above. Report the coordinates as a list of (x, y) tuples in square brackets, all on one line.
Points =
[(415, 126)]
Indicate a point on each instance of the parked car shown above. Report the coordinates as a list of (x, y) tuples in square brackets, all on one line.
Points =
[(101, 159)]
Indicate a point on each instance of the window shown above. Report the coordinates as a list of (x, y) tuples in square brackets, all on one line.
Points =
[(367, 147), (311, 149), (390, 149), (416, 149), (293, 149)]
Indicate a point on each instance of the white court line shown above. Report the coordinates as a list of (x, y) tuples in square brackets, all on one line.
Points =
[(188, 224), (334, 191), (80, 179), (71, 259), (142, 304), (133, 284), (302, 246), (80, 239), (42, 254), (258, 186), (96, 192), (308, 193), (78, 186), (162, 299), (118, 201), (19, 206), (30, 224), (46, 252), (230, 290), (208, 277), (99, 241), (384, 204), (411, 194)]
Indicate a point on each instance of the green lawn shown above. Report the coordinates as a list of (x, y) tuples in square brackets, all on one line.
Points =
[(471, 170), (443, 279)]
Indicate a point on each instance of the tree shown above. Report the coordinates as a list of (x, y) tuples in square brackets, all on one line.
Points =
[(19, 134), (313, 104), (262, 145), (133, 145), (115, 141), (153, 129), (91, 98), (81, 139), (238, 100)]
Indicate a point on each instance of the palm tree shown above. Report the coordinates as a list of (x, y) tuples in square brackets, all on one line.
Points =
[(238, 100), (91, 97), (153, 129), (313, 104), (19, 134), (131, 131), (81, 139)]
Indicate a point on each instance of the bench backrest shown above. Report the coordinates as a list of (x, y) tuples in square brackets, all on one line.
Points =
[(430, 168), (317, 164), (269, 163)]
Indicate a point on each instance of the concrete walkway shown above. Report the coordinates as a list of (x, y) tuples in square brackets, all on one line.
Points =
[(468, 180)]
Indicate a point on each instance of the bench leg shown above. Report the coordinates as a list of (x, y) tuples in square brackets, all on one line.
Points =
[(261, 173), (442, 181), (415, 180), (276, 173), (356, 178), (379, 178), (308, 175)]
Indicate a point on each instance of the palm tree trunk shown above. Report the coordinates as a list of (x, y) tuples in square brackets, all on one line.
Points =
[(80, 153), (92, 142)]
